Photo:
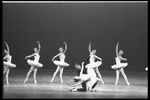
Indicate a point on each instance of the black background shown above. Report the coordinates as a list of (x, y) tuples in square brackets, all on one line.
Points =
[(102, 24)]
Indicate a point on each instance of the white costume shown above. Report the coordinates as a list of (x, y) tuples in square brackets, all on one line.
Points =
[(118, 64), (91, 72), (35, 62), (8, 62), (61, 62)]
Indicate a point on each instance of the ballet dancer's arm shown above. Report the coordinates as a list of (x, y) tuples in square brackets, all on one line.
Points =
[(7, 46), (39, 46), (65, 47), (80, 82), (81, 72), (55, 56), (5, 57), (90, 47), (98, 57), (30, 55), (123, 58), (117, 49)]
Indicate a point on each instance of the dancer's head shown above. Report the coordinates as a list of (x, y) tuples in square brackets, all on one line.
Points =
[(61, 49), (35, 50), (120, 52), (93, 51), (5, 51), (77, 66)]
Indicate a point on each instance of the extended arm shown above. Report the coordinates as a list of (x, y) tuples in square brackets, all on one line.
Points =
[(122, 58), (82, 67), (80, 82), (55, 56), (65, 47), (98, 57), (4, 57), (7, 46), (90, 48), (117, 49), (29, 56), (39, 46)]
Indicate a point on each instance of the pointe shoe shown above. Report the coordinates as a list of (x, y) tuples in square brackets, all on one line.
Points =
[(116, 84), (35, 82), (7, 83), (74, 89), (61, 81), (128, 84)]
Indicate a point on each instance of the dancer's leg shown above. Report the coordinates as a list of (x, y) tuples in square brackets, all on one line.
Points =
[(58, 68), (99, 75), (117, 76), (61, 72), (124, 75), (7, 73), (5, 69), (31, 69), (34, 75)]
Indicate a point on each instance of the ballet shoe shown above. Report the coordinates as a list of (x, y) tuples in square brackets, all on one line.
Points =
[(73, 89), (35, 82)]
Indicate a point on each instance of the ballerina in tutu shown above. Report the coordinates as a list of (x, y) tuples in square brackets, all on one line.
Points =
[(60, 64), (119, 66), (34, 63), (7, 64), (94, 64)]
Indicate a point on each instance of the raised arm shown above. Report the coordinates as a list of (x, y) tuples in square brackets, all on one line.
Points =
[(39, 46), (55, 56), (65, 47), (82, 67), (30, 55), (90, 47), (117, 49), (7, 46)]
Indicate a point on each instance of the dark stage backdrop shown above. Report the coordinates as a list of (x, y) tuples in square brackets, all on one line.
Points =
[(102, 24)]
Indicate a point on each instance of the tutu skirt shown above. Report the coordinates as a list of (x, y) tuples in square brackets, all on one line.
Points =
[(120, 65), (60, 63), (93, 65), (33, 63), (9, 64)]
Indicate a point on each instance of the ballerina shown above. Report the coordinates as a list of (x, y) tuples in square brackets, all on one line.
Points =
[(94, 64), (34, 63), (7, 64), (119, 66), (60, 64)]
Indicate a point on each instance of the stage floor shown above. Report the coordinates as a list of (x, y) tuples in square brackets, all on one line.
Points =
[(44, 89)]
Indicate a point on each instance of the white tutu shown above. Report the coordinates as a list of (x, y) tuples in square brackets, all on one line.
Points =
[(33, 63), (9, 64), (93, 64), (60, 63), (119, 65)]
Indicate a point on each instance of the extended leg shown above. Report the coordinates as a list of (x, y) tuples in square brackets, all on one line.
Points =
[(124, 75), (99, 75), (7, 73), (58, 68), (5, 69), (31, 69), (61, 72), (117, 76), (34, 75)]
